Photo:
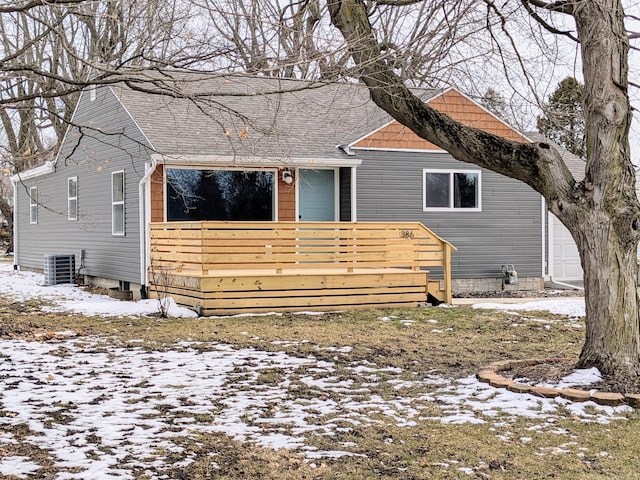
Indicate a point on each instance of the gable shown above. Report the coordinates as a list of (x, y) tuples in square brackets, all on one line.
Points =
[(394, 136)]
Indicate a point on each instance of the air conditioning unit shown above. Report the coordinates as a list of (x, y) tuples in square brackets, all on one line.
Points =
[(59, 269)]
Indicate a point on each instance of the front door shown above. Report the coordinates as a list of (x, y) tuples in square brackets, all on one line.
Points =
[(316, 193)]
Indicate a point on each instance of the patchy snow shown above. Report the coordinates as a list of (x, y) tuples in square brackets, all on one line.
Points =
[(586, 376), (572, 307), (18, 466), (106, 412), (23, 285)]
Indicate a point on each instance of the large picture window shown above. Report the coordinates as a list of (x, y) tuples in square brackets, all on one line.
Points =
[(451, 190), (195, 195), (72, 198), (117, 203)]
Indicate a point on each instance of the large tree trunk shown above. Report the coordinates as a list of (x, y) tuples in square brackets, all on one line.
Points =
[(607, 228), (611, 299), (7, 233)]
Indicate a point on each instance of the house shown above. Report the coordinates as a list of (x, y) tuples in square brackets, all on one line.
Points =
[(241, 148)]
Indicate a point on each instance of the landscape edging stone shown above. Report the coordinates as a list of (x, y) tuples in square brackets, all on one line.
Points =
[(490, 374)]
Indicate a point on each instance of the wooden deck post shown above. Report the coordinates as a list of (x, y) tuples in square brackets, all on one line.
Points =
[(447, 273), (203, 241)]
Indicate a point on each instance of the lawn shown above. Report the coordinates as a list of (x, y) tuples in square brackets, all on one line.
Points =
[(351, 395)]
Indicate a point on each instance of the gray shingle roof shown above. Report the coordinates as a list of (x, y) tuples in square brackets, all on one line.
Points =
[(247, 116)]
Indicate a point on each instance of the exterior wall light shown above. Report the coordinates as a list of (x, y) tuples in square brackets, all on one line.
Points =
[(287, 177)]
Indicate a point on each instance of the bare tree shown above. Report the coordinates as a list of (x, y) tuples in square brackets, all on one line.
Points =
[(51, 50), (284, 38), (602, 212)]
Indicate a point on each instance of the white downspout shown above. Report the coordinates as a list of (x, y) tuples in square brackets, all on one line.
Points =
[(557, 282), (15, 224), (544, 217), (144, 225)]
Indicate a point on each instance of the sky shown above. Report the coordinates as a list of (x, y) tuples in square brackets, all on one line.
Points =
[(135, 404)]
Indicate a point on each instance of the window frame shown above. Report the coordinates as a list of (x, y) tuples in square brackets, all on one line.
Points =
[(118, 204), (274, 191), (72, 214), (451, 207), (33, 205)]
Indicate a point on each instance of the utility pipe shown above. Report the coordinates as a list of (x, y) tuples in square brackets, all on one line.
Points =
[(144, 225)]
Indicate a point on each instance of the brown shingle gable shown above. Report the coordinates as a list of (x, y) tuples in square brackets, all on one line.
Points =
[(453, 103)]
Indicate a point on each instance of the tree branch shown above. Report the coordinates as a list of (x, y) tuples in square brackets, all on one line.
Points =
[(561, 6), (546, 25), (539, 166), (397, 3), (24, 7)]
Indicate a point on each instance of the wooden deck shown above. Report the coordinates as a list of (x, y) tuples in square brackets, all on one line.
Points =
[(222, 268)]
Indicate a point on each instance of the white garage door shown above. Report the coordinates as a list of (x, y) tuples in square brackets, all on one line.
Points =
[(565, 260)]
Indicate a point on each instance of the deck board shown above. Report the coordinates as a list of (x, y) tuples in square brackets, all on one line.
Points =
[(233, 292)]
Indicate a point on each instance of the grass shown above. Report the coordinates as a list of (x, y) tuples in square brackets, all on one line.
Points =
[(444, 342)]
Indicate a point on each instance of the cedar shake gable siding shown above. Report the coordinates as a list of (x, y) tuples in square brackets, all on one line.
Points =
[(395, 136)]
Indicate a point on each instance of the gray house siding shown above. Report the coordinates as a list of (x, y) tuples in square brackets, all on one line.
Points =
[(107, 141), (506, 231)]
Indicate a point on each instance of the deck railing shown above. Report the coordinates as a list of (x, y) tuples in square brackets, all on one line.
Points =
[(206, 247)]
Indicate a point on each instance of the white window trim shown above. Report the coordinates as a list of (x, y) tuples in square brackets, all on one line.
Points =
[(451, 208), (92, 93), (115, 203), (33, 205), (72, 214)]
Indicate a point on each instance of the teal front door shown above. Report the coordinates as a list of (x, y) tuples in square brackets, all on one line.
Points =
[(316, 193)]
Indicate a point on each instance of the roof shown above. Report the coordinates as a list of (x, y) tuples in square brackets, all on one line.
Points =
[(248, 116), (574, 163)]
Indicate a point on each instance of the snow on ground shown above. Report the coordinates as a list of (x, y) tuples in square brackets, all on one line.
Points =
[(572, 307), (92, 405), (23, 285), (107, 412)]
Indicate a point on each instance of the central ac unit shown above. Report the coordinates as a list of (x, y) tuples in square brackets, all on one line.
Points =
[(59, 269)]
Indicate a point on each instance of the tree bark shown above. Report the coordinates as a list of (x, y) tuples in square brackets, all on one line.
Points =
[(602, 212), (607, 232), (7, 232), (611, 300)]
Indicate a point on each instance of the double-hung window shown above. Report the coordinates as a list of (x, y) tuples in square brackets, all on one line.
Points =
[(117, 203), (445, 190), (33, 205), (72, 198)]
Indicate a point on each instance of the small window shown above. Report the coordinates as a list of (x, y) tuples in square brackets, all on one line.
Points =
[(33, 205), (117, 203), (451, 190), (72, 198)]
